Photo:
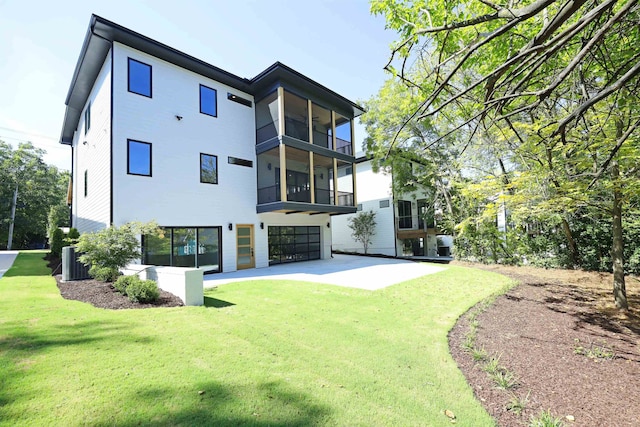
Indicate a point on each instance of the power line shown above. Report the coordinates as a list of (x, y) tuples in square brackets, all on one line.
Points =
[(39, 135)]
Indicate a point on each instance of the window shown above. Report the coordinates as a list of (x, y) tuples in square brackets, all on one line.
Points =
[(208, 101), (238, 99), (240, 162), (138, 158), (185, 247), (404, 214), (359, 208), (384, 203), (87, 118), (85, 183), (139, 78), (208, 168)]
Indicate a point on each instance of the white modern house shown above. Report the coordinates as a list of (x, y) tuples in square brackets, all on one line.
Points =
[(240, 173), (406, 225)]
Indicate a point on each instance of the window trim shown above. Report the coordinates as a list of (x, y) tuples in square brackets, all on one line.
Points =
[(87, 118), (217, 178), (215, 98), (86, 180), (129, 141), (240, 100), (129, 59), (240, 162)]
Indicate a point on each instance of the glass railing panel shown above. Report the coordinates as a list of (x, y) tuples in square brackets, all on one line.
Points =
[(267, 132)]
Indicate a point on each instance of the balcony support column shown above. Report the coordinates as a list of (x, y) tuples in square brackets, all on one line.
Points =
[(283, 172), (312, 178)]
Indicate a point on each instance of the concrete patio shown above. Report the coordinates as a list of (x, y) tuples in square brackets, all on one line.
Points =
[(342, 270)]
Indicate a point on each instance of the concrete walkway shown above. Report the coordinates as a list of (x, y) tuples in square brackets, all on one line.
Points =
[(6, 260), (342, 270)]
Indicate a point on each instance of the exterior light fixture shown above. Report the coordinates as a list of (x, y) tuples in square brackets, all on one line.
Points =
[(230, 226)]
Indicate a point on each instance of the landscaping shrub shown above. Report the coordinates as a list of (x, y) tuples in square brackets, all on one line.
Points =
[(57, 239), (112, 248), (104, 274), (143, 291), (72, 237), (123, 283)]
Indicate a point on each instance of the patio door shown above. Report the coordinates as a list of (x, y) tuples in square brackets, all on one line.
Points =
[(244, 243)]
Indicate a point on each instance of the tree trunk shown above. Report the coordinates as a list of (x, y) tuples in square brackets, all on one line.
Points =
[(617, 250), (13, 217), (573, 247)]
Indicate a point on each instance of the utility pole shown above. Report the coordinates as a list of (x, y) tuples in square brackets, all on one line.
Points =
[(13, 217)]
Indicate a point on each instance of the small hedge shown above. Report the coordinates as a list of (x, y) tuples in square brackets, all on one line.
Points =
[(138, 290), (104, 274)]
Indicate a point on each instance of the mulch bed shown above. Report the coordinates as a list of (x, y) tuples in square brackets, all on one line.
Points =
[(103, 295), (551, 332)]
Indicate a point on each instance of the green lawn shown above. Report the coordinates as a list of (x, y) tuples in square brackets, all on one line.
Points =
[(264, 353)]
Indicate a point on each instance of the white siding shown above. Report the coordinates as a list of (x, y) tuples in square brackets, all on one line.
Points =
[(372, 188), (91, 153), (174, 195)]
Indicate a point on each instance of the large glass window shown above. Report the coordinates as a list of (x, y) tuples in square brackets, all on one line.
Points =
[(298, 183), (139, 78), (268, 176), (323, 179), (291, 244), (321, 127), (208, 168), (296, 116), (208, 101), (267, 118), (184, 247), (343, 135), (404, 214), (138, 158)]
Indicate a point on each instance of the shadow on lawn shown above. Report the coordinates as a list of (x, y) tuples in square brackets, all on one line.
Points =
[(22, 343), (216, 303), (214, 404)]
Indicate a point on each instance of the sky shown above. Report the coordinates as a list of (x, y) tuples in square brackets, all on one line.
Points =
[(337, 43)]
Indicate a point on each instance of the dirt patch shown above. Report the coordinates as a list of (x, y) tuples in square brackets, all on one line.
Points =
[(570, 350), (103, 295)]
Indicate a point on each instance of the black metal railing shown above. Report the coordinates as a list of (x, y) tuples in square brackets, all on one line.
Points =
[(324, 197), (345, 199), (269, 194), (267, 132)]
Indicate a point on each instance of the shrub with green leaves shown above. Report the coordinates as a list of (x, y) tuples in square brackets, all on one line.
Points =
[(123, 283), (143, 291), (72, 237), (104, 274), (114, 247), (57, 240)]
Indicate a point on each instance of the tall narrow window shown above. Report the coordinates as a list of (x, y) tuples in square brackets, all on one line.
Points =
[(139, 78), (208, 101), (208, 168), (138, 158), (404, 214), (85, 183), (87, 118)]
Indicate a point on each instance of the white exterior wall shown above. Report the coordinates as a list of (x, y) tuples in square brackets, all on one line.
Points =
[(372, 188), (174, 195), (92, 213)]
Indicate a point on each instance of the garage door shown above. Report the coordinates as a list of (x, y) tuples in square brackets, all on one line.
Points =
[(292, 244)]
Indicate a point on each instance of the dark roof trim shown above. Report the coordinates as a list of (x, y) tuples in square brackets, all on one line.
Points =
[(100, 37)]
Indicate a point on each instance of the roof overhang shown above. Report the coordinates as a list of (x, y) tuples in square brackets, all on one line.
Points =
[(101, 35), (304, 208)]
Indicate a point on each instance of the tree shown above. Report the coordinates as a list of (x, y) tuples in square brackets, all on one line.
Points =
[(28, 188), (546, 89), (363, 226), (108, 250)]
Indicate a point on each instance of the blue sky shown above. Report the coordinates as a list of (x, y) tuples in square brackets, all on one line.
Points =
[(335, 42)]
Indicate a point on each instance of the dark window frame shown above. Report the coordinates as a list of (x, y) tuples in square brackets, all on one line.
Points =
[(87, 118), (240, 100), (384, 203), (217, 174), (215, 97), (150, 95), (86, 182), (240, 162), (129, 141), (405, 214)]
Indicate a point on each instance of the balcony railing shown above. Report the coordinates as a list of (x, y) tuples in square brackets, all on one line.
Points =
[(413, 222), (299, 194), (343, 146), (267, 132)]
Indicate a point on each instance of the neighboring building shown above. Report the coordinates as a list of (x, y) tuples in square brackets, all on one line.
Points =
[(239, 172), (405, 224)]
